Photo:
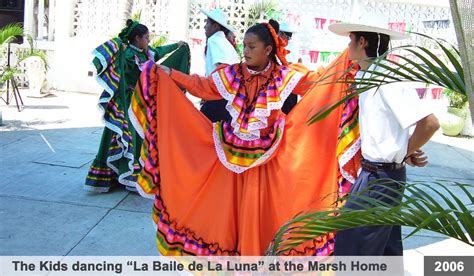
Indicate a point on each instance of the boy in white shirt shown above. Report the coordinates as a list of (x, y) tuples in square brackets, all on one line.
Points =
[(385, 115), (218, 51)]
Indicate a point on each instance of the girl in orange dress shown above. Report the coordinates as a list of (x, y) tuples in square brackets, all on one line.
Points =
[(225, 188)]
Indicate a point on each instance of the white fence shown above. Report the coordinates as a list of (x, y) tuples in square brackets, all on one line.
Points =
[(71, 27)]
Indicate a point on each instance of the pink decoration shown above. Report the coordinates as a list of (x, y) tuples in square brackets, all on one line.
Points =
[(421, 92), (320, 23), (436, 93), (314, 56)]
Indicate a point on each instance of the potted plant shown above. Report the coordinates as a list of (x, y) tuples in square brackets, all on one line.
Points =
[(453, 123), (8, 35)]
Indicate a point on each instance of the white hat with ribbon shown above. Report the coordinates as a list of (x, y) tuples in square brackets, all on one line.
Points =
[(367, 23), (220, 17)]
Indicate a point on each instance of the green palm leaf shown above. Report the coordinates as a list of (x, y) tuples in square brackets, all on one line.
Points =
[(417, 64), (10, 32), (431, 206), (6, 75), (7, 35), (159, 40), (260, 9), (24, 54), (137, 16)]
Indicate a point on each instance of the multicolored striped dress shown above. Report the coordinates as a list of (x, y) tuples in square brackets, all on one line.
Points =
[(225, 188), (118, 69)]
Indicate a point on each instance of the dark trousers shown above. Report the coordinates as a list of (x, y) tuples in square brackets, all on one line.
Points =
[(290, 102), (215, 110), (373, 240)]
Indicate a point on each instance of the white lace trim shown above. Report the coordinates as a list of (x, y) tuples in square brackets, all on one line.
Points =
[(346, 157), (135, 48), (124, 153), (140, 64), (260, 113), (107, 89), (123, 146), (239, 169), (151, 54), (135, 123), (104, 64), (139, 129), (143, 193), (101, 81), (96, 189), (102, 60)]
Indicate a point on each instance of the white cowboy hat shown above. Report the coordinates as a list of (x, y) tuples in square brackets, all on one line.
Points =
[(220, 17), (367, 23), (287, 28)]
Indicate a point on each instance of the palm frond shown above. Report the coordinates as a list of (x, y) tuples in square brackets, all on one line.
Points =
[(159, 40), (6, 75), (137, 16), (24, 54), (260, 9), (416, 64), (456, 100), (10, 32), (431, 206)]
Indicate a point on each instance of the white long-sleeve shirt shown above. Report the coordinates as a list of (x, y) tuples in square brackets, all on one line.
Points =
[(219, 50)]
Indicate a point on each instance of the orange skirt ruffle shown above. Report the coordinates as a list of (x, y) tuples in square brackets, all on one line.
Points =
[(202, 208)]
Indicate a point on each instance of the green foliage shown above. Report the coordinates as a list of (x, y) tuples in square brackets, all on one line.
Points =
[(441, 207), (456, 100), (8, 35), (417, 64), (137, 16), (263, 10), (159, 40)]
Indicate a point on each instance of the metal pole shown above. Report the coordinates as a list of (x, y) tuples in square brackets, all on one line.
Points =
[(8, 81)]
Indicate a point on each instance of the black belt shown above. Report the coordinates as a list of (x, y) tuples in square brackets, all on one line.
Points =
[(376, 166)]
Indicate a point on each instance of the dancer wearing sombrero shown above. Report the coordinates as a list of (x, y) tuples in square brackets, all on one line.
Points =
[(385, 115)]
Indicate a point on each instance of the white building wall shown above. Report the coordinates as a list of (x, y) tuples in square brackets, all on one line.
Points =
[(81, 25)]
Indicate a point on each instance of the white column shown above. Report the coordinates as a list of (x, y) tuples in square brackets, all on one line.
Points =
[(28, 21), (63, 24), (179, 19), (356, 10), (52, 12), (40, 19)]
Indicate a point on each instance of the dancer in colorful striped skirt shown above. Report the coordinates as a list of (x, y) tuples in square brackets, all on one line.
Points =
[(225, 188), (119, 62)]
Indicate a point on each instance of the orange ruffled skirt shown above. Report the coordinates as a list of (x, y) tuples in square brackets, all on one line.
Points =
[(202, 208)]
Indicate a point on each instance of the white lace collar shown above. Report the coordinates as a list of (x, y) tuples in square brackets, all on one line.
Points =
[(135, 48), (253, 72)]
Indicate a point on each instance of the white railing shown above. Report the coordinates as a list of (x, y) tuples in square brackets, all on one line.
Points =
[(39, 19), (100, 18)]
